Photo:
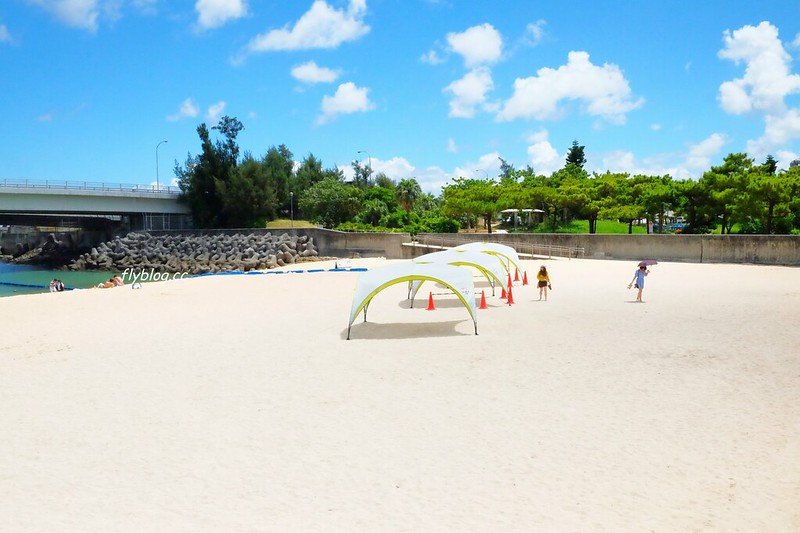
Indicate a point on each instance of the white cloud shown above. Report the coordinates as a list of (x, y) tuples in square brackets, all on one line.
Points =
[(452, 147), (603, 91), (5, 35), (214, 112), (700, 155), (432, 57), (80, 14), (310, 72), (322, 26), (767, 80), (655, 126), (86, 14), (785, 157), (469, 93), (215, 13), (396, 168), (431, 179), (188, 110), (45, 117), (623, 162), (534, 32), (486, 167), (778, 131), (542, 156), (348, 99), (478, 45), (691, 164), (148, 7), (766, 83)]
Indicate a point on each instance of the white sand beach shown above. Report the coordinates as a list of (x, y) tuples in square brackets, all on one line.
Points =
[(234, 403)]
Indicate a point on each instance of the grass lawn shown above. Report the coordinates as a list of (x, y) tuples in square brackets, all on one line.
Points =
[(285, 223), (582, 226)]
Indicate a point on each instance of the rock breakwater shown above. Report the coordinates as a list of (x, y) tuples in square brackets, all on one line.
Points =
[(196, 254)]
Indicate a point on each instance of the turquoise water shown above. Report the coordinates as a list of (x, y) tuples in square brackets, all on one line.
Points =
[(27, 275)]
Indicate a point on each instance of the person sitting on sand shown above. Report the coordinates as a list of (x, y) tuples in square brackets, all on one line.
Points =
[(544, 282), (59, 285), (107, 284), (118, 281), (53, 285), (638, 281)]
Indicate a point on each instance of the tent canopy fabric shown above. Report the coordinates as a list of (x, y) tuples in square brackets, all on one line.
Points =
[(506, 252), (488, 265), (370, 283)]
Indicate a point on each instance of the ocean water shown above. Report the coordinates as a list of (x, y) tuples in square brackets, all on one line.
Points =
[(27, 275)]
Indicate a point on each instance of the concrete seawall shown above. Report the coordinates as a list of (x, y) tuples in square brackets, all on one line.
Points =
[(755, 249)]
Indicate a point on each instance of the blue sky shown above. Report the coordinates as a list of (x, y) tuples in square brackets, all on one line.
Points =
[(431, 89)]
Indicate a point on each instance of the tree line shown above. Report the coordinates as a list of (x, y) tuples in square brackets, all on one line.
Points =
[(226, 189)]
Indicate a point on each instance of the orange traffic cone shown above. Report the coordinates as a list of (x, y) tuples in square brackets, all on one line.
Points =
[(503, 295), (431, 307), (525, 278), (509, 279), (516, 274), (483, 301), (510, 296)]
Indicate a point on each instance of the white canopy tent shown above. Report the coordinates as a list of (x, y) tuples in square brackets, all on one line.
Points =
[(488, 265), (370, 283), (508, 253)]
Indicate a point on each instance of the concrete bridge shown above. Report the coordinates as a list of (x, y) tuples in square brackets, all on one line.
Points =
[(135, 206)]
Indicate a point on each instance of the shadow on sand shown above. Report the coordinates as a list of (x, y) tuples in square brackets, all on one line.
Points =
[(405, 330)]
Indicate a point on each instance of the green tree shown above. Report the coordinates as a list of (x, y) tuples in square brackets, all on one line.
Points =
[(508, 175), (575, 155), (725, 185), (656, 198), (407, 192), (202, 176), (362, 175), (308, 173), (457, 204), (770, 165), (376, 203), (694, 202), (247, 197), (771, 197), (330, 202), (279, 167), (372, 211)]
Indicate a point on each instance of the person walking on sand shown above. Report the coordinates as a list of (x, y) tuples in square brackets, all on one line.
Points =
[(638, 281), (544, 282)]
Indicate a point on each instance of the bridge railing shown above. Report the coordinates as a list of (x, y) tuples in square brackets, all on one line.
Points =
[(88, 186)]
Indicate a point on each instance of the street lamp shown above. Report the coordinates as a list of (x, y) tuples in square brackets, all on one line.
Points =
[(159, 144), (369, 158), (291, 208)]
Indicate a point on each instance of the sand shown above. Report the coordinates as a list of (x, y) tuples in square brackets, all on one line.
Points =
[(234, 403)]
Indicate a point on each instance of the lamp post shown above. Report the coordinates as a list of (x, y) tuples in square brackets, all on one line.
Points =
[(291, 208), (369, 158), (159, 144)]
